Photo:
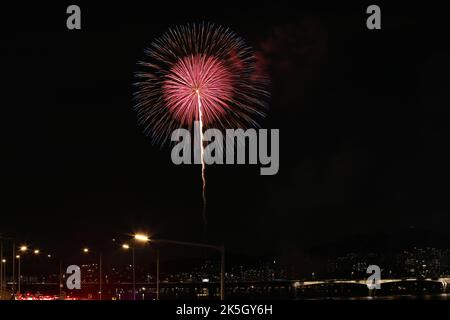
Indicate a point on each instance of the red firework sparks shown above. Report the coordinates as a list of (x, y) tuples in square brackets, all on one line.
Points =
[(195, 76), (192, 61), (199, 73)]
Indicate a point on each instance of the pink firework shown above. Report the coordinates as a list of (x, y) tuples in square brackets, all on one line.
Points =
[(198, 76), (202, 73)]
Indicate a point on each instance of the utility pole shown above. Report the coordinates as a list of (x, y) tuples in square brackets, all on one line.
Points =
[(134, 276), (1, 269), (18, 284), (60, 279), (157, 273), (13, 261), (3, 278), (100, 280)]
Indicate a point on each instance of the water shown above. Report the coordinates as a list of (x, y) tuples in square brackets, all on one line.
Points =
[(442, 296)]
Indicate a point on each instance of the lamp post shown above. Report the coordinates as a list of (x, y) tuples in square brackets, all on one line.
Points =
[(18, 282), (23, 249), (60, 275), (13, 263), (221, 249), (157, 273), (60, 279), (4, 273), (50, 257), (86, 251), (144, 239), (1, 269), (13, 280), (126, 246)]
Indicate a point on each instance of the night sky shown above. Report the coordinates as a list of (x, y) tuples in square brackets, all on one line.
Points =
[(363, 118)]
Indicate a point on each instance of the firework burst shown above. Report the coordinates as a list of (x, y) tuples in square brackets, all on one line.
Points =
[(202, 73)]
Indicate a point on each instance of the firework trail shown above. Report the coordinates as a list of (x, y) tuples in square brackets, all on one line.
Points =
[(199, 72), (202, 151)]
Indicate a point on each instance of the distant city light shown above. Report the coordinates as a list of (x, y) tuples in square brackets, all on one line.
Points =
[(23, 248), (125, 246)]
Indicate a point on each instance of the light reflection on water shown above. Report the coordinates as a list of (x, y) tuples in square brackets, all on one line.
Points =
[(443, 296)]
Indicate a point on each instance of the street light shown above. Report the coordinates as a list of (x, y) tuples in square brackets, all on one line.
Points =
[(138, 237), (22, 249), (50, 256), (18, 283), (141, 237), (86, 250), (126, 246), (13, 251), (221, 249), (3, 276), (1, 269)]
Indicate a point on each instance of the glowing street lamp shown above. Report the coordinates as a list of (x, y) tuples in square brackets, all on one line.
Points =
[(13, 264), (138, 237), (221, 249), (18, 271), (22, 249), (86, 251), (3, 274), (141, 237), (126, 246)]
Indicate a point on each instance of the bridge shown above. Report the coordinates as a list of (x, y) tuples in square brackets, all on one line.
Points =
[(444, 281)]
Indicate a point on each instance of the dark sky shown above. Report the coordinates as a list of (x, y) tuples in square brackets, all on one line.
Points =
[(363, 118)]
